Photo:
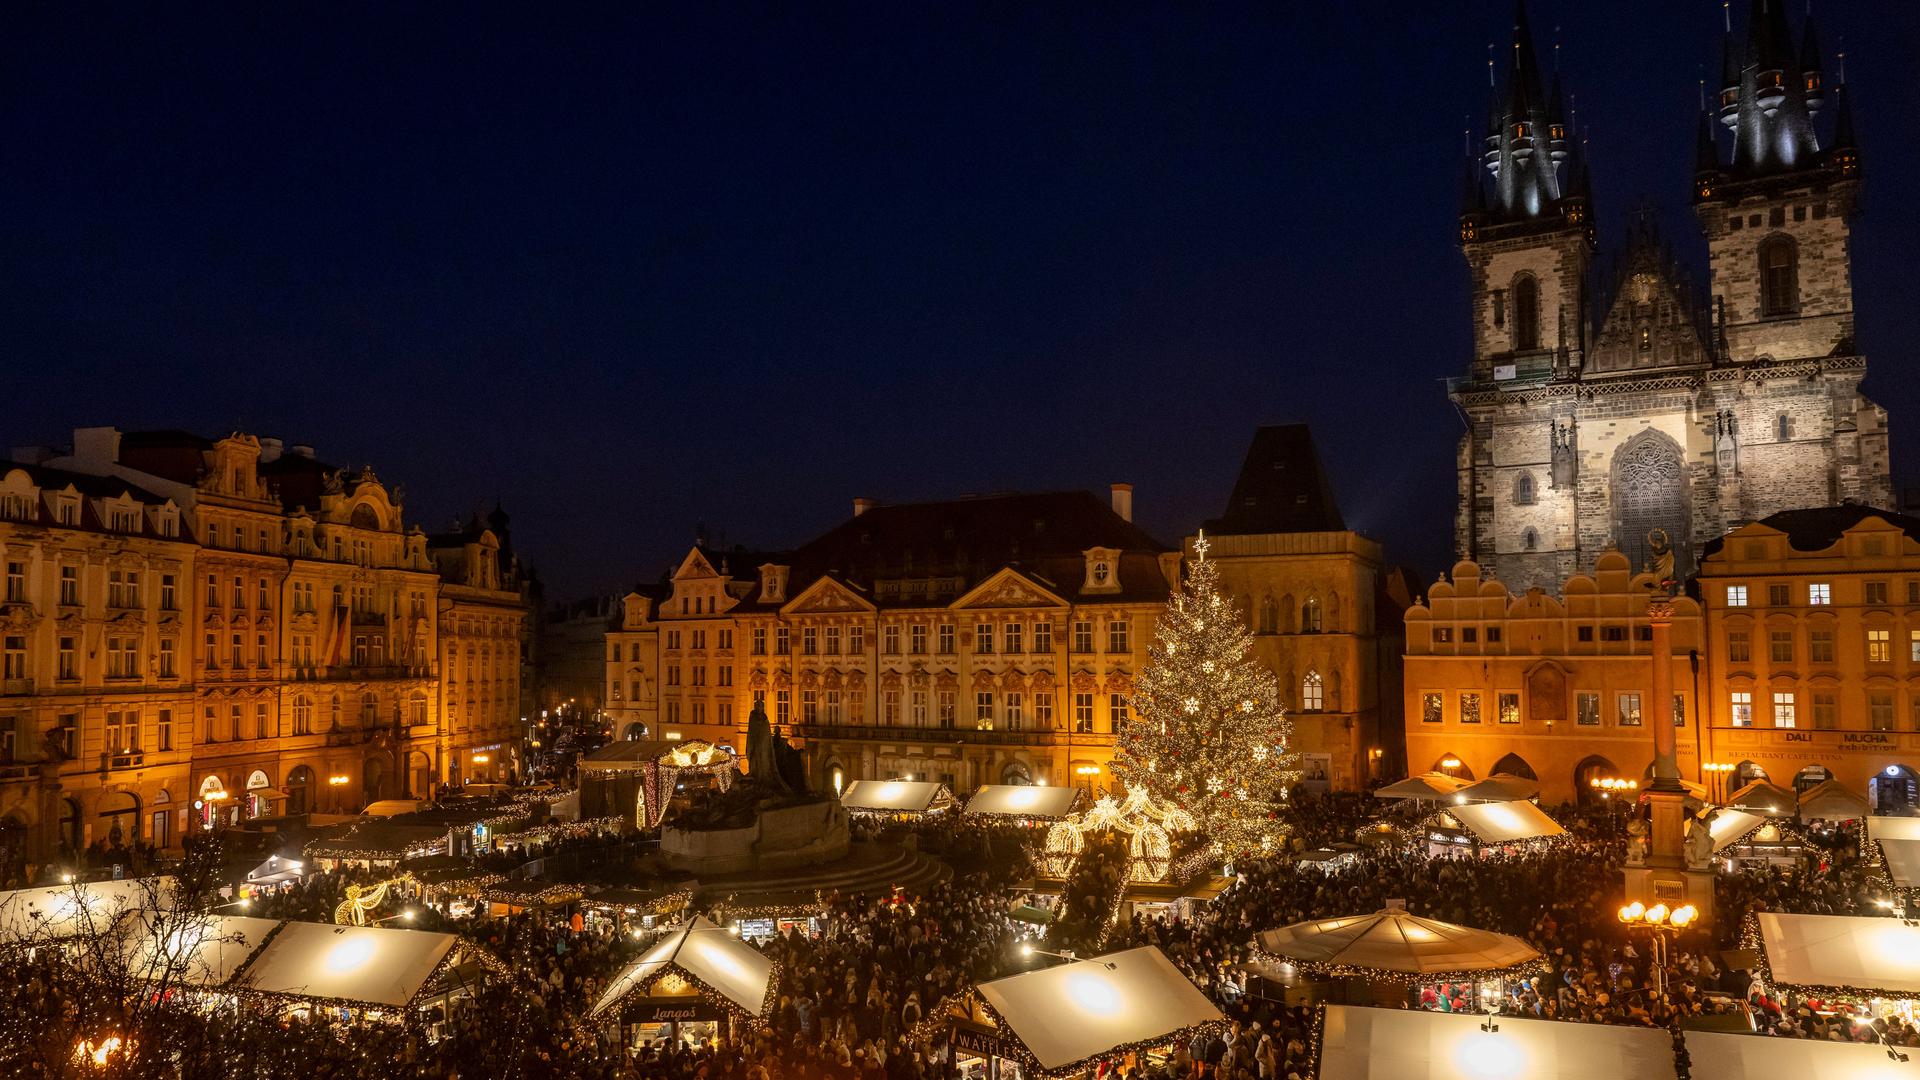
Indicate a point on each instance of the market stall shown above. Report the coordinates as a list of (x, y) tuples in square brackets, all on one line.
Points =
[(1064, 1020), (1741, 837), (629, 908), (276, 873), (1722, 1056), (1766, 798), (1831, 800), (30, 917), (379, 972), (889, 798), (694, 980), (1397, 1044), (1839, 955), (1431, 787), (1500, 787), (199, 951), (376, 844), (1392, 952), (1489, 826), (1023, 802), (637, 779)]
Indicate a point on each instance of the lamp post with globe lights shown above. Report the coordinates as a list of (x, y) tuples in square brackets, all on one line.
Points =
[(1662, 924)]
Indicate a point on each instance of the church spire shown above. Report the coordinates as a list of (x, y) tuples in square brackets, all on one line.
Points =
[(1769, 94), (1526, 142)]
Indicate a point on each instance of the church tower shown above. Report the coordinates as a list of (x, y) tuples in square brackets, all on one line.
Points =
[(1777, 208), (1526, 229), (1649, 418)]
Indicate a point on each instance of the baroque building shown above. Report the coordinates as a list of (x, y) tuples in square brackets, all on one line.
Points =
[(1813, 635), (1640, 416), (1324, 609), (1555, 689), (971, 641), (232, 629)]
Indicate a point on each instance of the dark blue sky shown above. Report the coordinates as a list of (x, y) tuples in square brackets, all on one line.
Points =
[(629, 270)]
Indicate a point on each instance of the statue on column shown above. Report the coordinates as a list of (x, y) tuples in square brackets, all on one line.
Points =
[(1661, 548)]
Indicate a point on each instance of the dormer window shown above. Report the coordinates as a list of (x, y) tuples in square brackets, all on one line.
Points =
[(773, 584), (1103, 570)]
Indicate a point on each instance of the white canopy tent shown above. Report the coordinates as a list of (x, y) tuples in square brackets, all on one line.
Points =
[(202, 951), (355, 965), (719, 961), (59, 912), (896, 797), (1500, 787), (1875, 956), (1071, 1013), (1024, 800), (1397, 943), (1903, 862), (1719, 1055), (1400, 1044), (1731, 826), (1505, 822), (1434, 786), (1893, 828)]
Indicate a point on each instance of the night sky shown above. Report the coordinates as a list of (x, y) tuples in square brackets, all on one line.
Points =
[(635, 271)]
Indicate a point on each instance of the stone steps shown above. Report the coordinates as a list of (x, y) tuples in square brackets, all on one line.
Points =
[(869, 868)]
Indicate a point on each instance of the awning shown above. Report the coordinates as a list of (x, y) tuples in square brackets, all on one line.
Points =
[(1500, 787), (1024, 800), (1893, 828), (356, 965), (718, 962), (58, 912), (1832, 800), (1765, 798), (896, 796), (1733, 826), (1397, 944), (1903, 862), (1505, 822), (1873, 957), (204, 951), (1425, 786), (1412, 1044), (266, 793), (1719, 1056), (1067, 1014)]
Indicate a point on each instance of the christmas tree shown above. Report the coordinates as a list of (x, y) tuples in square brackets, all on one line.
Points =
[(1208, 733)]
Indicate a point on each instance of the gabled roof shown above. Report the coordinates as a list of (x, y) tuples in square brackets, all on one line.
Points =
[(716, 964), (1281, 488), (1011, 588), (1820, 527), (828, 593)]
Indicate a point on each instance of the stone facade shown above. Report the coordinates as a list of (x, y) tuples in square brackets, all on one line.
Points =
[(1649, 421), (251, 633)]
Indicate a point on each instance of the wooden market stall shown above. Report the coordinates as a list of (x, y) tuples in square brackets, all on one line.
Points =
[(1024, 802), (1489, 826), (1065, 1020), (1376, 1044), (1382, 957), (896, 798), (695, 983)]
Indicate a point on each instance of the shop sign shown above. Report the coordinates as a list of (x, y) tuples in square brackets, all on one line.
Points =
[(665, 1012), (978, 1042)]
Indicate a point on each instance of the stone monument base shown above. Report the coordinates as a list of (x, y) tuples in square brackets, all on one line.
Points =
[(783, 838)]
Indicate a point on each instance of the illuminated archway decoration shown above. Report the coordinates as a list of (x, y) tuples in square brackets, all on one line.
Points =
[(1148, 826), (361, 899)]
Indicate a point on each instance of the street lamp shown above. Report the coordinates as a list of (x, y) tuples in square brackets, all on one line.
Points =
[(1716, 772), (1609, 786), (1661, 924), (1086, 773), (336, 782)]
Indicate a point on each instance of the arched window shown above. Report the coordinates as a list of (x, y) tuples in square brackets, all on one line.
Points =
[(1779, 277), (1526, 313), (1783, 427), (1312, 693), (1523, 490), (1530, 540), (1269, 616), (1310, 616)]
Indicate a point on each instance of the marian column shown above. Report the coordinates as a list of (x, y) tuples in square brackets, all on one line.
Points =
[(1666, 875)]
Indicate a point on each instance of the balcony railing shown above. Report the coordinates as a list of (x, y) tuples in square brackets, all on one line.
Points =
[(128, 759), (900, 733)]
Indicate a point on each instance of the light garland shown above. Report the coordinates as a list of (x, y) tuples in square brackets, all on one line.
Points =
[(1750, 938), (1030, 1065), (1146, 824), (706, 990), (1325, 970)]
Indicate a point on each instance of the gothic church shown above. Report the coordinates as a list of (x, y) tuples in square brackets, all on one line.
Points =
[(1634, 413)]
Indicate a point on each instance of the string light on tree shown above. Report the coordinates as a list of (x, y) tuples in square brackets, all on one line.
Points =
[(1204, 708)]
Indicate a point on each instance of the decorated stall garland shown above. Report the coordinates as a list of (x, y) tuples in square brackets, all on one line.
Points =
[(1441, 819), (1750, 938), (708, 990), (1323, 970), (465, 950)]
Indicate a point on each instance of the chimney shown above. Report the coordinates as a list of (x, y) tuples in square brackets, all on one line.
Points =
[(301, 450), (269, 450), (862, 505), (96, 448), (1123, 501)]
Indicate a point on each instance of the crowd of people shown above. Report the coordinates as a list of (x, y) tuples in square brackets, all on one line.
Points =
[(863, 999)]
